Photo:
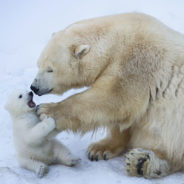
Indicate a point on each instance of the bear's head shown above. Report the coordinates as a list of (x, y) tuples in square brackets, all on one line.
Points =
[(68, 61), (20, 102)]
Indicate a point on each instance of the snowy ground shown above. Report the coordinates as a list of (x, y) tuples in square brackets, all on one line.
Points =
[(26, 27)]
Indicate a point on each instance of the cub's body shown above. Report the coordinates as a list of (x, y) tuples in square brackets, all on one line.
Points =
[(36, 148)]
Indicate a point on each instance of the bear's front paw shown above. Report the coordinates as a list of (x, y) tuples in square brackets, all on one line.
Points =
[(44, 110)]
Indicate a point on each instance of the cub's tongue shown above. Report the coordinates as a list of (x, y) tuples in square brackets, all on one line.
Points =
[(31, 104)]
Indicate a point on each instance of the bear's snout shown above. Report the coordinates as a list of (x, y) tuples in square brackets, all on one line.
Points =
[(35, 89)]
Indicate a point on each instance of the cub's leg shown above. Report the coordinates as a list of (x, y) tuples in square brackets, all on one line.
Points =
[(146, 163), (111, 146), (36, 166), (62, 155)]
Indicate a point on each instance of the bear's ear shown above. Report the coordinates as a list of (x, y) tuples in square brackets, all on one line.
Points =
[(80, 51)]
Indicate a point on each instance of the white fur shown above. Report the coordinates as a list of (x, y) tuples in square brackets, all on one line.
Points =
[(135, 64), (33, 139), (162, 128)]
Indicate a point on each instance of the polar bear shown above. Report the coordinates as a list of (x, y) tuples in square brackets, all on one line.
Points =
[(36, 148), (133, 66)]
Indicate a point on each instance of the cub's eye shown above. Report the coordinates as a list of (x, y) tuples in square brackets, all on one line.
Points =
[(50, 70), (20, 96)]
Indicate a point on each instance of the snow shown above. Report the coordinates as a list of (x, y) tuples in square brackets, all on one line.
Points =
[(25, 29)]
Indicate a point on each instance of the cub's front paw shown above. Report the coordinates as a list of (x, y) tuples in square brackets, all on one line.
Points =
[(43, 117), (50, 122)]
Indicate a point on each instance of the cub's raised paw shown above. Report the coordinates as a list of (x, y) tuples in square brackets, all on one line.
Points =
[(140, 162), (43, 117), (50, 122), (42, 170)]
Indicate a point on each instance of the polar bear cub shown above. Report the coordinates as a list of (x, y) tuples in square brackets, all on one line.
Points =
[(36, 148)]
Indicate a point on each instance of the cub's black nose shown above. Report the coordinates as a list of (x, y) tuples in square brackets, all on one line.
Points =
[(30, 93), (34, 89)]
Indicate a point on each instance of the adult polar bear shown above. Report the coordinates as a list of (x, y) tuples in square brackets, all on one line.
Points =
[(134, 67)]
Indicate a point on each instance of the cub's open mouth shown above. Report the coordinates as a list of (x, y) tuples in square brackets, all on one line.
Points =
[(31, 103)]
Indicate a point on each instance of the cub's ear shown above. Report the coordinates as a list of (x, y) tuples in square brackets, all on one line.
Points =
[(80, 51)]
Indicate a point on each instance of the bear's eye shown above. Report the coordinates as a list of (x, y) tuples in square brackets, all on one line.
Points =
[(50, 70), (20, 96)]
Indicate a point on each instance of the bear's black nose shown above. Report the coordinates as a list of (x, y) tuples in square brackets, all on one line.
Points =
[(30, 93), (34, 89)]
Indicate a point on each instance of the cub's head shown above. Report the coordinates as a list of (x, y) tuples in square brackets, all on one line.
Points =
[(20, 102)]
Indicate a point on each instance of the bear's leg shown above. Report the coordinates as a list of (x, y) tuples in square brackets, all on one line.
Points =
[(97, 106), (33, 165), (109, 147), (62, 155), (146, 163)]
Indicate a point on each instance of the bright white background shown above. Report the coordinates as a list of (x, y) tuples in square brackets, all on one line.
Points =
[(25, 27)]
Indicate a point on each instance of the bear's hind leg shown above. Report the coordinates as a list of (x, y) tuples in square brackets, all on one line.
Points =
[(146, 163)]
